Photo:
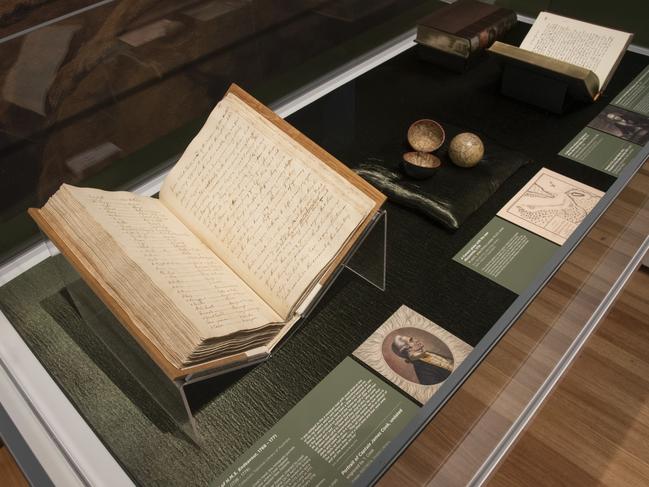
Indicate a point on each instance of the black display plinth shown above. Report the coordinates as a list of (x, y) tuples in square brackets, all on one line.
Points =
[(446, 60), (536, 88)]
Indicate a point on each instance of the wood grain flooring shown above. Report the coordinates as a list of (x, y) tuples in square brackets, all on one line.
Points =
[(613, 373), (10, 474), (594, 428)]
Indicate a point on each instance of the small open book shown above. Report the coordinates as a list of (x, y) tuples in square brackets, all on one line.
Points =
[(250, 223), (583, 54)]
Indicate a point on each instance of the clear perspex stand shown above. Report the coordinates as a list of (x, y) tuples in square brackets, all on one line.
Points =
[(366, 260)]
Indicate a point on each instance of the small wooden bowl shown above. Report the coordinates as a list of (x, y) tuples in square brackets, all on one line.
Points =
[(420, 165), (426, 135)]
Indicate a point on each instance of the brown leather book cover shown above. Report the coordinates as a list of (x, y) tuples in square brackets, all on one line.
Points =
[(465, 27)]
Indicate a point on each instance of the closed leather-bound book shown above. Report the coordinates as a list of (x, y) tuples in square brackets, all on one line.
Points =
[(465, 28)]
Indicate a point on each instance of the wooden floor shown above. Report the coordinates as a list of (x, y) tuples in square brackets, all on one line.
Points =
[(594, 428), (10, 474)]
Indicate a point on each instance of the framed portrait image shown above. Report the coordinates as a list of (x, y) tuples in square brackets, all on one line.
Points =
[(413, 353)]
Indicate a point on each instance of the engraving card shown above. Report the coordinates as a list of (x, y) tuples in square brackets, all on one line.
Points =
[(551, 205)]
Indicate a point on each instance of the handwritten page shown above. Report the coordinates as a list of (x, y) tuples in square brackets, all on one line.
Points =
[(580, 43), (264, 204), (212, 299)]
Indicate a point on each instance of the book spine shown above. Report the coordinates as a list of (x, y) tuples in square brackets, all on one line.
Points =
[(443, 41), (486, 31)]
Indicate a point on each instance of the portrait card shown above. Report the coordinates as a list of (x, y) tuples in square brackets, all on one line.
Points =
[(413, 353), (622, 123), (551, 205)]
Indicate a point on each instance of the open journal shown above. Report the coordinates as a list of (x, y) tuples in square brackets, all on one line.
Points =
[(584, 54), (250, 222)]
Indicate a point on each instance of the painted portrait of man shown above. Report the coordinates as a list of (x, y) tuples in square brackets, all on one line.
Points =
[(413, 353)]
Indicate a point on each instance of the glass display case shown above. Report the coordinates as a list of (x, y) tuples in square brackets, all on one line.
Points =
[(108, 94)]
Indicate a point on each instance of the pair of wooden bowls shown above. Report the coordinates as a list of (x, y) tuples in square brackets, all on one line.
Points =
[(426, 136)]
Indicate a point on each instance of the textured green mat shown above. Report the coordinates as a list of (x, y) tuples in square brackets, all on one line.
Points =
[(115, 405), (231, 412)]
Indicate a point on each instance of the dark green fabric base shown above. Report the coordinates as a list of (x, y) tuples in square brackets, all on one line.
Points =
[(231, 411)]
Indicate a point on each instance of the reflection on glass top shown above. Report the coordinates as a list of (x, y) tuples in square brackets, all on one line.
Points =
[(104, 93)]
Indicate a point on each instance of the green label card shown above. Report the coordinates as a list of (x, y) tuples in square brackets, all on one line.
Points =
[(506, 254), (635, 96), (600, 151), (330, 437)]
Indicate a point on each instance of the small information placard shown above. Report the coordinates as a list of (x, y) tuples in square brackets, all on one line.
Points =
[(600, 151), (635, 96), (330, 437), (507, 254)]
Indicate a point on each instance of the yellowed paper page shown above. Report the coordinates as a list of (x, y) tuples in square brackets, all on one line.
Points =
[(212, 298), (551, 205), (264, 204), (589, 46)]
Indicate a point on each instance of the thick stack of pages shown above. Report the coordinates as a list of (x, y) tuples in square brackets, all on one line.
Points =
[(249, 222)]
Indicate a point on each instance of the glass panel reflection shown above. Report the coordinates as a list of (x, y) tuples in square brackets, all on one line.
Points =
[(105, 93)]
